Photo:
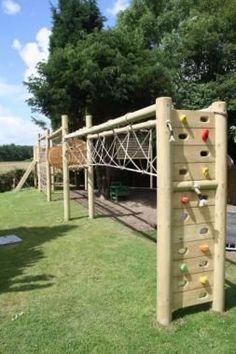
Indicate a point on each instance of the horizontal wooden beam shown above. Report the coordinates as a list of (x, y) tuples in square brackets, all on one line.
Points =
[(42, 137), (186, 185), (144, 125), (128, 118), (55, 133)]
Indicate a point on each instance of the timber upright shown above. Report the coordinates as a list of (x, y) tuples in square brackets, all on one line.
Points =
[(191, 207)]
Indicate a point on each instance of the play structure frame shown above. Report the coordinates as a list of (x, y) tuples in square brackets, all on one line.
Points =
[(167, 121)]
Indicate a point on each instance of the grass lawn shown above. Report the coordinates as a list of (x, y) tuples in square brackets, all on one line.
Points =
[(89, 286)]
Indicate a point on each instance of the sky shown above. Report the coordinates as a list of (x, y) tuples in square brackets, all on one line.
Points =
[(25, 27)]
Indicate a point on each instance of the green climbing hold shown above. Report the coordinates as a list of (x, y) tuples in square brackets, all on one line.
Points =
[(183, 267)]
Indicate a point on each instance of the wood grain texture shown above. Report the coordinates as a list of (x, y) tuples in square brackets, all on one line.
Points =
[(193, 232), (193, 297), (193, 265), (190, 216), (189, 281), (191, 249), (192, 136), (193, 199), (164, 212), (194, 119), (193, 171), (194, 153)]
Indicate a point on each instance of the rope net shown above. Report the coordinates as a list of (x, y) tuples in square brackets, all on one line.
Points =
[(76, 153), (132, 151)]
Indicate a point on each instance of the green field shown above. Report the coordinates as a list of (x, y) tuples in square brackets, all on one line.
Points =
[(6, 166), (89, 286)]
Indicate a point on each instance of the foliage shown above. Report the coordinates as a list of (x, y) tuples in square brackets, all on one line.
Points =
[(12, 152), (107, 72), (10, 179), (195, 41), (89, 286), (182, 48), (73, 20), (56, 88)]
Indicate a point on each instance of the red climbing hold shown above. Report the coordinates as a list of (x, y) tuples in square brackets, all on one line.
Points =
[(185, 200), (204, 134)]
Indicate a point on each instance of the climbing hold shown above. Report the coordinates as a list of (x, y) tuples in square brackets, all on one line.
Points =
[(204, 248), (183, 119), (203, 280), (202, 200), (183, 267), (171, 131), (204, 134), (185, 200), (205, 171)]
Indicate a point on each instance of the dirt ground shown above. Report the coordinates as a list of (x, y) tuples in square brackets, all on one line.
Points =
[(138, 211)]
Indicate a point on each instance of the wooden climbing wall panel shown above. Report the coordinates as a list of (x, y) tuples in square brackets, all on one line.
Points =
[(191, 207), (193, 160)]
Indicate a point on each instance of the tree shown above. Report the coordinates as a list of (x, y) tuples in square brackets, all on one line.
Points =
[(12, 152), (195, 41), (73, 20), (107, 72), (54, 90)]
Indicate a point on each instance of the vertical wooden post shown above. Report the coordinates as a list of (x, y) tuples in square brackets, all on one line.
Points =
[(35, 169), (85, 179), (38, 164), (220, 110), (52, 178), (164, 211), (151, 158), (66, 182), (48, 167), (52, 172), (90, 177)]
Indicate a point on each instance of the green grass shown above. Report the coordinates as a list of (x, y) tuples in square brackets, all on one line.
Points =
[(88, 286)]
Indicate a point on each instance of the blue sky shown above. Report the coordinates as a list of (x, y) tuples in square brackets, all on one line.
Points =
[(25, 29)]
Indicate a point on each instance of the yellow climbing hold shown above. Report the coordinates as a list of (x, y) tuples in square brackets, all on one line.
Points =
[(203, 280), (183, 118), (205, 171)]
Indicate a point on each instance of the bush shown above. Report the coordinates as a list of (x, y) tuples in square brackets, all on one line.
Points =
[(10, 179)]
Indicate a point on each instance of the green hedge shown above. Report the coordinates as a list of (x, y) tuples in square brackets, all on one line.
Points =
[(10, 179)]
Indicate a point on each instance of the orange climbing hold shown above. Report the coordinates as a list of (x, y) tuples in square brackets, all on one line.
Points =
[(185, 200), (204, 248), (205, 134)]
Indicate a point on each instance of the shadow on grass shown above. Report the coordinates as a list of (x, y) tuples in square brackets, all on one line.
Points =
[(14, 259), (120, 215), (191, 310)]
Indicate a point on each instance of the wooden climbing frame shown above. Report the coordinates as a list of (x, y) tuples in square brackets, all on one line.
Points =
[(191, 168)]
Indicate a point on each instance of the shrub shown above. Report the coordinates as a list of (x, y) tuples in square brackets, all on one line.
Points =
[(10, 179)]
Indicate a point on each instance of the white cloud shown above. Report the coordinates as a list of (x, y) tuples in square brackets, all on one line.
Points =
[(118, 5), (13, 93), (8, 90), (10, 7), (33, 52), (16, 130)]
